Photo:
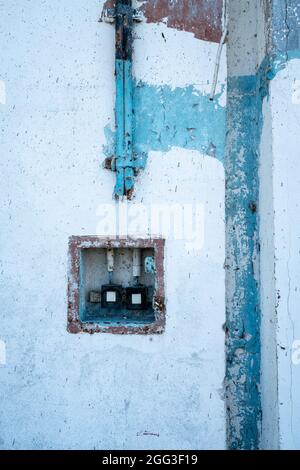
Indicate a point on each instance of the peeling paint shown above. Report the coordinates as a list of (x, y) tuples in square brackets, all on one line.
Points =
[(149, 118), (245, 97), (245, 119), (285, 35), (203, 18), (180, 117)]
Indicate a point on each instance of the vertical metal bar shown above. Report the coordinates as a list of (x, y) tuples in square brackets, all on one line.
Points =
[(119, 112), (110, 256), (124, 106), (136, 262)]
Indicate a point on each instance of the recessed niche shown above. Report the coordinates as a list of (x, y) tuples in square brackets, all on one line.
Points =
[(116, 297), (116, 286)]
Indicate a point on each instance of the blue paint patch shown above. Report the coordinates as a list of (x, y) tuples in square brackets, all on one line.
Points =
[(181, 117), (149, 265)]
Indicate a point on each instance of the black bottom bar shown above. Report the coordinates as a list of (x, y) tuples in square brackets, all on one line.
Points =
[(135, 459)]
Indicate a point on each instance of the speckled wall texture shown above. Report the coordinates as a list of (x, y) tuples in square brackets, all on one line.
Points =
[(61, 390)]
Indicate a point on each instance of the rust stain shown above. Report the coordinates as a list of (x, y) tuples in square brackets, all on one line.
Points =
[(129, 193), (203, 18), (109, 4)]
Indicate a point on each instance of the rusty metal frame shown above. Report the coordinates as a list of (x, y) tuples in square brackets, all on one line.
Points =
[(78, 243)]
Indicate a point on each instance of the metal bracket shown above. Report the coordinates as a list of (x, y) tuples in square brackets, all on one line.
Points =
[(125, 163), (109, 15)]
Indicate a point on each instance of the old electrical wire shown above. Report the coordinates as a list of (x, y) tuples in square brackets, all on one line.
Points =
[(222, 41)]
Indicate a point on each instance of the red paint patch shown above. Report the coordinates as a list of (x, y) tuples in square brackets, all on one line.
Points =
[(203, 18)]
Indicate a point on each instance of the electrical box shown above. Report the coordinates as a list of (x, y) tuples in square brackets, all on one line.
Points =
[(116, 286)]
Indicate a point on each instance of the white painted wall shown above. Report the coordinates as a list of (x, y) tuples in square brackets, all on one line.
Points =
[(285, 106), (103, 391), (191, 56), (269, 365)]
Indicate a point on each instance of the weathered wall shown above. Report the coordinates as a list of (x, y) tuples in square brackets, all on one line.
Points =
[(278, 230), (286, 131), (57, 119), (201, 17), (246, 49), (269, 367), (262, 248), (106, 391), (284, 104)]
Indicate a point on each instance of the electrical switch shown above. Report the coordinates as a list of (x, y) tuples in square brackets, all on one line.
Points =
[(111, 296), (136, 298)]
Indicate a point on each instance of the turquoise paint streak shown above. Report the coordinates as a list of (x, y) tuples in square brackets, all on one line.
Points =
[(245, 98), (165, 117), (243, 316)]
